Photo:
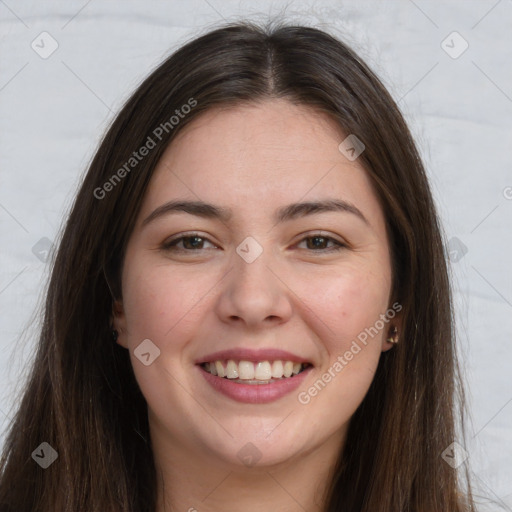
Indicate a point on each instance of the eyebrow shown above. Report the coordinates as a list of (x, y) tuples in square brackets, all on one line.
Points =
[(283, 214)]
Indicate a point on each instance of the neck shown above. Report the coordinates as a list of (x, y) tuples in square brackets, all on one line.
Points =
[(192, 480)]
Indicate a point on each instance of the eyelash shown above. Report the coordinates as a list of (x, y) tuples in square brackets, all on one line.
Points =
[(171, 244)]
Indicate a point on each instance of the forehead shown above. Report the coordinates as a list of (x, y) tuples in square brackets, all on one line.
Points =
[(253, 155), (273, 131)]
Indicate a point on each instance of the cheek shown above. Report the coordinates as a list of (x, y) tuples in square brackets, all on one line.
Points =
[(351, 306), (159, 306), (348, 303), (154, 302)]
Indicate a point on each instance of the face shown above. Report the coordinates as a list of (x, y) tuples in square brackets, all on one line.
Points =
[(255, 288)]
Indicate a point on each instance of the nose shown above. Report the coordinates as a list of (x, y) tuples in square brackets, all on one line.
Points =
[(255, 294)]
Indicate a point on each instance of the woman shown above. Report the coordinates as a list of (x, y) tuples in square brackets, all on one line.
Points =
[(250, 306)]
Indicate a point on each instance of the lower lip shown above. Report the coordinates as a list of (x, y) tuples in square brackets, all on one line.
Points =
[(255, 393)]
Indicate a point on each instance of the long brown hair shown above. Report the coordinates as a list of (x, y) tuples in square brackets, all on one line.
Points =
[(82, 397)]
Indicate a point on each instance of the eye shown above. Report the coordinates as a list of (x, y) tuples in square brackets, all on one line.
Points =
[(190, 243), (194, 242), (319, 241)]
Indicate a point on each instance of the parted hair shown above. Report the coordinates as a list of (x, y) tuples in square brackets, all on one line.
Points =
[(81, 395)]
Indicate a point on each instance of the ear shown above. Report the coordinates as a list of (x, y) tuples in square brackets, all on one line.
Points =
[(119, 322), (393, 328)]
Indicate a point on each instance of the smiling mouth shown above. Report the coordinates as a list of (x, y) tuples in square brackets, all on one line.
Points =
[(248, 372)]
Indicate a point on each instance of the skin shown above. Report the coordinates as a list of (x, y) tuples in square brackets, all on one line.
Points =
[(313, 302)]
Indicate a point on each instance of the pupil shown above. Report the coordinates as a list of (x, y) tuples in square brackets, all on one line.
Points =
[(316, 238), (196, 239)]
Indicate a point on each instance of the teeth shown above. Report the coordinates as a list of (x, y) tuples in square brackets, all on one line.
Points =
[(246, 370), (249, 371), (277, 369), (288, 369), (220, 369), (263, 371), (231, 370)]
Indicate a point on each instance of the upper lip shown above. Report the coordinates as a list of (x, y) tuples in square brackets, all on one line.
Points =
[(247, 354)]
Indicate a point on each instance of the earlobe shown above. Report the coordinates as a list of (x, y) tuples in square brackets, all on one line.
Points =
[(393, 334), (391, 338), (117, 322)]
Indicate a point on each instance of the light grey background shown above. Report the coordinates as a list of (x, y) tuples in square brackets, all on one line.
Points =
[(54, 110)]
